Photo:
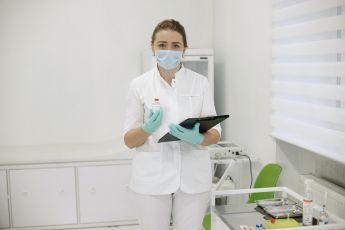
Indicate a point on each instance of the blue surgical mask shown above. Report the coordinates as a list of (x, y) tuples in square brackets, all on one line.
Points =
[(168, 59)]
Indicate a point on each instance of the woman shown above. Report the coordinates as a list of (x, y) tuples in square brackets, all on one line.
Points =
[(170, 178)]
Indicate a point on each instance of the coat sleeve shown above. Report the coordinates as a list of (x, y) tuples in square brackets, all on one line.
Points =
[(134, 115), (208, 108)]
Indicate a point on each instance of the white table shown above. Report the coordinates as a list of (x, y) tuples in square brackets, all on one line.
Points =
[(227, 218)]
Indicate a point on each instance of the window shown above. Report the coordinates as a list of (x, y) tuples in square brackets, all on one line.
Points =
[(308, 75)]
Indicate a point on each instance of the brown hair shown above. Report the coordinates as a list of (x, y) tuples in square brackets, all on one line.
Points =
[(170, 24)]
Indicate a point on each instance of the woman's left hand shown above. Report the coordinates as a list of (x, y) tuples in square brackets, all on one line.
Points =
[(192, 136)]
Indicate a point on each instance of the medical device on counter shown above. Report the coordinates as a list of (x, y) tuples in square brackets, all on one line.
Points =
[(231, 169), (224, 150)]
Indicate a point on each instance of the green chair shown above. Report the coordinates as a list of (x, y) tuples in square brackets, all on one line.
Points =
[(268, 177), (206, 223)]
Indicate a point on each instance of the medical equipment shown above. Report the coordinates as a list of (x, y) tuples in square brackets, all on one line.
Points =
[(233, 217), (224, 150), (231, 170), (168, 59), (307, 203), (323, 216), (280, 209)]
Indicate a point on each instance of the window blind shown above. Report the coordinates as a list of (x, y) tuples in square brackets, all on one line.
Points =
[(308, 75)]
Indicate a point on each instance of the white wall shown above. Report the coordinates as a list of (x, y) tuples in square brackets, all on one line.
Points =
[(65, 65), (297, 161), (242, 46)]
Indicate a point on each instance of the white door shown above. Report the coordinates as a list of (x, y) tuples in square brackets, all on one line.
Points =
[(104, 195), (43, 197), (4, 214)]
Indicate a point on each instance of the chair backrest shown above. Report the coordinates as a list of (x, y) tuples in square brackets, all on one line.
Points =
[(206, 223), (268, 177)]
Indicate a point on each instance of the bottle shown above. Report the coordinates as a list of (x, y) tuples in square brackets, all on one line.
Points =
[(323, 214), (156, 105), (307, 204), (285, 200)]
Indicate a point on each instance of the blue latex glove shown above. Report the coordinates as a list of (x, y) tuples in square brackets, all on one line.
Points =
[(154, 121), (189, 135)]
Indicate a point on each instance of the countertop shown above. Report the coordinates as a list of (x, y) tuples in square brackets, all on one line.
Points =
[(64, 153)]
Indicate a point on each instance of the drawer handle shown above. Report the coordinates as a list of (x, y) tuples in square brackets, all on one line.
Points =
[(93, 190), (25, 193), (127, 188)]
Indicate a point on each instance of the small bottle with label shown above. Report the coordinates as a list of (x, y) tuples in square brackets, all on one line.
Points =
[(323, 219), (307, 204), (323, 216), (156, 105)]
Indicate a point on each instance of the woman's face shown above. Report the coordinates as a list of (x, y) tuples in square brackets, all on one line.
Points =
[(168, 40)]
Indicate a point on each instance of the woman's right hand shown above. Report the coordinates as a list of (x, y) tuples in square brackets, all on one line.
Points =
[(154, 121), (136, 137)]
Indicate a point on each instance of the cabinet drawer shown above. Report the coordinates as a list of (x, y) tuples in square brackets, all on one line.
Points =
[(104, 195), (4, 212), (43, 197)]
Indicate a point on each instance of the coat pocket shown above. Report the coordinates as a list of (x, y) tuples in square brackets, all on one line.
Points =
[(146, 167)]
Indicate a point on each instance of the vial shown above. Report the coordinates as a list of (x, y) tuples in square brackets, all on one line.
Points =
[(155, 104), (323, 216)]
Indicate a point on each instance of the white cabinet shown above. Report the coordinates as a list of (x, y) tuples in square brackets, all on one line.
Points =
[(104, 195), (4, 212), (63, 195), (43, 197)]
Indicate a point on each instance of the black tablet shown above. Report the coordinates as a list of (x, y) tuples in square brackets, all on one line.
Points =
[(205, 124)]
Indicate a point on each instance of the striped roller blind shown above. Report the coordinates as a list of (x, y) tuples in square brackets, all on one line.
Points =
[(308, 75)]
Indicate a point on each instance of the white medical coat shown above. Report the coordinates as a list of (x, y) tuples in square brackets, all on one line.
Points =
[(162, 168)]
